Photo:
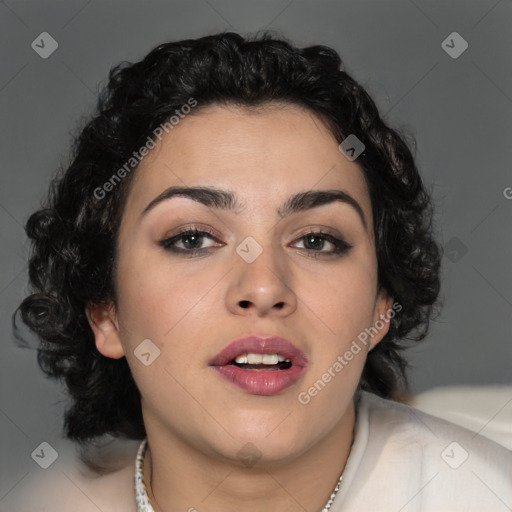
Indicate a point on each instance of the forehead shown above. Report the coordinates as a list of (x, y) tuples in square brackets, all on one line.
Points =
[(263, 153)]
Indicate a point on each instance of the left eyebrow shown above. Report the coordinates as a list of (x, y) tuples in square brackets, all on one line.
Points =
[(225, 200)]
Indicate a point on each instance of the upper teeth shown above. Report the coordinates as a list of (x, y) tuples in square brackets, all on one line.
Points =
[(260, 359)]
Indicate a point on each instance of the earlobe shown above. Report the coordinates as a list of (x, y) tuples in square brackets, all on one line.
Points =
[(382, 316), (103, 322)]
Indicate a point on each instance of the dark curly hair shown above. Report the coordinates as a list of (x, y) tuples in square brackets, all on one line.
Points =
[(74, 235)]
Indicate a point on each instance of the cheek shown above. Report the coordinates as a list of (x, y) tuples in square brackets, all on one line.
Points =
[(150, 287), (167, 302), (158, 302), (169, 306), (344, 300)]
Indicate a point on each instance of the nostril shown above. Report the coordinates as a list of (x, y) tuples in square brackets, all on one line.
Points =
[(244, 304)]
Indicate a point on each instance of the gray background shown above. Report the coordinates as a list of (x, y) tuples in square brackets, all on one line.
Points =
[(459, 111)]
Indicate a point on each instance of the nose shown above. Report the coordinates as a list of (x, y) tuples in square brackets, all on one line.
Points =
[(262, 287)]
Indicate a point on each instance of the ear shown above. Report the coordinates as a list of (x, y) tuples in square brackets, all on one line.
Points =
[(103, 321), (381, 317)]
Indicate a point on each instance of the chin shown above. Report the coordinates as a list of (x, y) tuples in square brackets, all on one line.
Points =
[(261, 453), (253, 446)]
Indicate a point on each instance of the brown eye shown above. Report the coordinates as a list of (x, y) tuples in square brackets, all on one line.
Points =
[(189, 242), (316, 242)]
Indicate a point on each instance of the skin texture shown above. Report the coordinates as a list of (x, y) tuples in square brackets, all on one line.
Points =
[(191, 308)]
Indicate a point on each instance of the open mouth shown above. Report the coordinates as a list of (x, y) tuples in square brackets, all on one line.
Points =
[(262, 362), (260, 365)]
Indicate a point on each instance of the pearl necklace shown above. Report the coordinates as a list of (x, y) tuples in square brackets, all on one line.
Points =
[(141, 496)]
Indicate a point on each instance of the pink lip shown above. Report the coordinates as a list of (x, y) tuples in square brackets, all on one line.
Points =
[(260, 382)]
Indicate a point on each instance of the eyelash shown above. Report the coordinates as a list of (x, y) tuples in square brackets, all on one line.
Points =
[(341, 247)]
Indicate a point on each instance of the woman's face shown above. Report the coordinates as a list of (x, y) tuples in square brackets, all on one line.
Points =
[(253, 272)]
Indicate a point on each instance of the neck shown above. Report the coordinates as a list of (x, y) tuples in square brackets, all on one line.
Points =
[(180, 477)]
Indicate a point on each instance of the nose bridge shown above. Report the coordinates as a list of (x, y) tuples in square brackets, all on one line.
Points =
[(262, 279)]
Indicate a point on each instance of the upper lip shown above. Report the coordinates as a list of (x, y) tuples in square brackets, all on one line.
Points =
[(259, 345)]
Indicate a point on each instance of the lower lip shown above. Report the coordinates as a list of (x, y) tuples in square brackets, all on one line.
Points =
[(260, 382)]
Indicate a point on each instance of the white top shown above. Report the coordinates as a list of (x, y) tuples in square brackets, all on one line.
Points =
[(402, 460), (405, 460)]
